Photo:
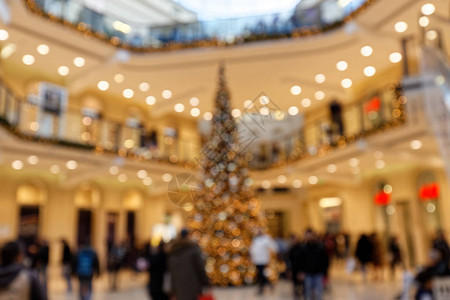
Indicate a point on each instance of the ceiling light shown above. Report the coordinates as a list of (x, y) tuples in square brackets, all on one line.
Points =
[(248, 104), (353, 162), (346, 83), (390, 210), (431, 208), (128, 93), (150, 100), (306, 102), (55, 169), (330, 202), (195, 112), (144, 86), (147, 181), (121, 26), (17, 165), (416, 144), (79, 62), (293, 110), (424, 21), (63, 70), (296, 90), (4, 35), (332, 168), (264, 111), (320, 78), (401, 26), (380, 164), (236, 113), (179, 107), (142, 174), (319, 95), (167, 94), (167, 177), (366, 51), (431, 35), (122, 178), (8, 50), (194, 101), (28, 59), (387, 189), (103, 85), (71, 165), (207, 116), (265, 184), (342, 65), (113, 170), (297, 184), (369, 71), (428, 9), (119, 78), (395, 57), (43, 49), (313, 180), (33, 160), (264, 100), (378, 155), (282, 179)]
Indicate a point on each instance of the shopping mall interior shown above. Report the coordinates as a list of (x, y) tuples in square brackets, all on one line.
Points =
[(131, 120)]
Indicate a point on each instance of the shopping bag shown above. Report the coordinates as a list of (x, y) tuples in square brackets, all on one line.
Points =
[(350, 265), (206, 297)]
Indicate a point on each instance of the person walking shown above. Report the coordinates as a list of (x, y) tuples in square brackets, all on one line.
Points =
[(187, 268), (16, 282), (364, 249), (395, 255), (86, 266), (260, 251), (157, 269), (66, 263), (295, 258), (377, 257), (42, 259), (116, 259), (314, 264)]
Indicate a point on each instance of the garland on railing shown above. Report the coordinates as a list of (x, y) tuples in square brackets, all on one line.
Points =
[(171, 46)]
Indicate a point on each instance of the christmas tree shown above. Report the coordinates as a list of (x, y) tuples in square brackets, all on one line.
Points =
[(226, 213)]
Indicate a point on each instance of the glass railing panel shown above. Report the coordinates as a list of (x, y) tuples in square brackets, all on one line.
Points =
[(28, 118), (352, 120)]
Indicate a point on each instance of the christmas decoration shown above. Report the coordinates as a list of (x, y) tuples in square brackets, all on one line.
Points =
[(225, 212)]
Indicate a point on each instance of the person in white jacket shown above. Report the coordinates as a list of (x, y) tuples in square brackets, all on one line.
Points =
[(260, 251)]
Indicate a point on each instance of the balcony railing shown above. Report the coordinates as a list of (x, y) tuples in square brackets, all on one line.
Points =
[(326, 15)]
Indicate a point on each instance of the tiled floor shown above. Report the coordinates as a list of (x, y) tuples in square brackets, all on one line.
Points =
[(343, 287)]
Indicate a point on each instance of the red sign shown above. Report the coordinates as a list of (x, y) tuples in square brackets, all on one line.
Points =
[(429, 192), (373, 104), (382, 198)]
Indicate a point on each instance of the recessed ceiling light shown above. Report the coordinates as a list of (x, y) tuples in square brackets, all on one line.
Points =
[(63, 70), (369, 71), (431, 35), (28, 59), (236, 113), (144, 86), (416, 144), (79, 61), (342, 65), (128, 93), (313, 180), (43, 49), (401, 26), (346, 83), (4, 35), (353, 162), (282, 179), (264, 111), (103, 85), (297, 183), (33, 160), (296, 90), (167, 94), (195, 112), (119, 78), (150, 100), (320, 78), (142, 174), (306, 102), (319, 95), (17, 165), (207, 116), (8, 50), (248, 104), (331, 168), (293, 110), (179, 107), (166, 177), (147, 181), (264, 100), (55, 169), (387, 189), (265, 184), (366, 51), (395, 57), (424, 21), (194, 101), (71, 165), (380, 164), (428, 9), (114, 170), (122, 178)]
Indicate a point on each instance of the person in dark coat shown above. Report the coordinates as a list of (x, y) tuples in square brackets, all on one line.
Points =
[(187, 268), (364, 252), (440, 244), (157, 269), (42, 259), (66, 263), (16, 282), (395, 255), (295, 256)]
